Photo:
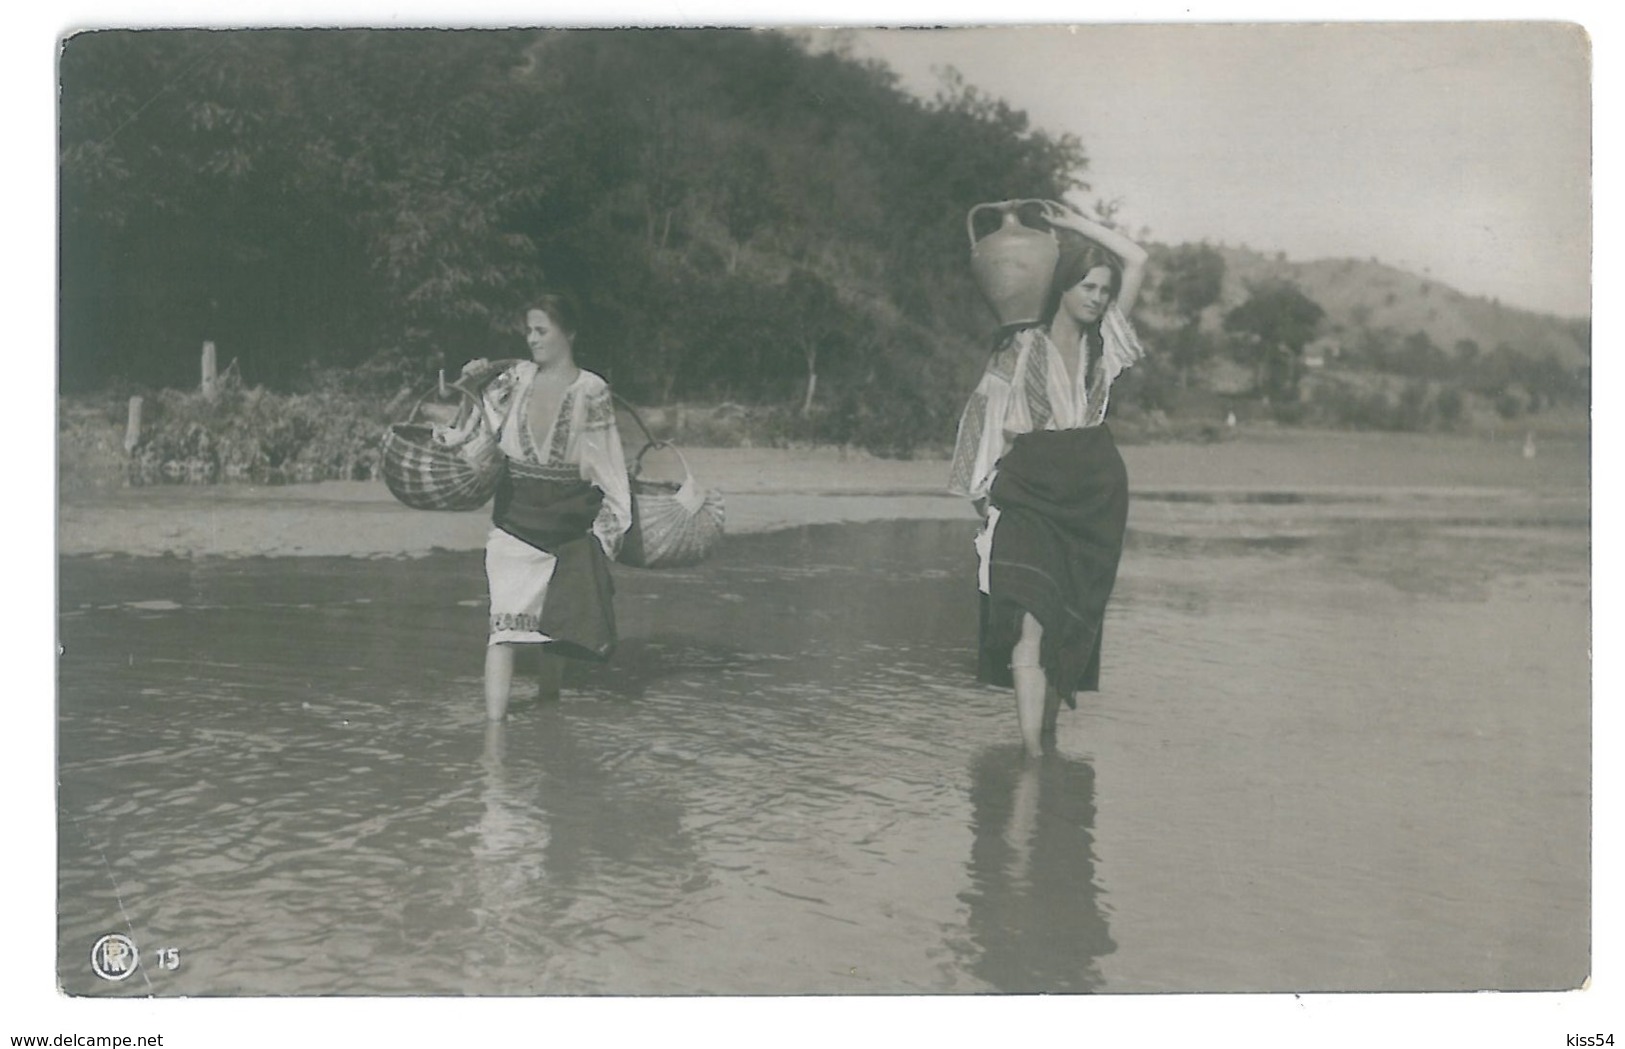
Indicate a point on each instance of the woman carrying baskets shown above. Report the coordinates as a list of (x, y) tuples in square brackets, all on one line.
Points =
[(561, 507), (1034, 454)]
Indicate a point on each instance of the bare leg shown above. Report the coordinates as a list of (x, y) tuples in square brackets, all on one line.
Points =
[(498, 680), (495, 745), (1031, 684), (549, 675)]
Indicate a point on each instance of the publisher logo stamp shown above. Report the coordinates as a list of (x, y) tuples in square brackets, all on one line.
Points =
[(114, 957)]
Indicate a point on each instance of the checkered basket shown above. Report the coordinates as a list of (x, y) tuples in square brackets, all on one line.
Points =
[(458, 469)]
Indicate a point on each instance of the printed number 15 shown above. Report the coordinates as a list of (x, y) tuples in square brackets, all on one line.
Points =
[(167, 958)]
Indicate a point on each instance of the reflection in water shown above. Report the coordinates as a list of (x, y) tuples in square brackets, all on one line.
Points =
[(605, 824), (512, 839), (1035, 919), (568, 857)]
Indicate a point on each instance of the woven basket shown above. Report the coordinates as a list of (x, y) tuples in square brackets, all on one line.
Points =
[(674, 523), (427, 474)]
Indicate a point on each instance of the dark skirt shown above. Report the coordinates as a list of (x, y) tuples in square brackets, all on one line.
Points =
[(555, 516), (1062, 497)]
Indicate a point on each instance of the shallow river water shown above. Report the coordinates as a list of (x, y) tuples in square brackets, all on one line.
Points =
[(1343, 744)]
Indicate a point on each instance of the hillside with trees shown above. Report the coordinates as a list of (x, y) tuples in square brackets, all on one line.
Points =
[(746, 219), (1342, 342), (752, 220), (1368, 296)]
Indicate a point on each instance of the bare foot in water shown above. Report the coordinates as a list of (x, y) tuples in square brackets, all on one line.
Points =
[(549, 678), (1052, 712)]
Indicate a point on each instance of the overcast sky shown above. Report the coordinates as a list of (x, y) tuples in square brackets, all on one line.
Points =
[(1457, 150)]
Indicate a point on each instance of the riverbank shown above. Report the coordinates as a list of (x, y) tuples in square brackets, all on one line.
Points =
[(772, 489)]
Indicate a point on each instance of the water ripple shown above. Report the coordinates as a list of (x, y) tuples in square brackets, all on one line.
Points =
[(1315, 730)]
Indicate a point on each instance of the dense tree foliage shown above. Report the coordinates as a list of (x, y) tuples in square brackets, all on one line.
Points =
[(1188, 279), (1276, 322), (745, 216)]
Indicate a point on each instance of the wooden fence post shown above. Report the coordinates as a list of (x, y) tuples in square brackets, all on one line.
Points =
[(132, 428), (208, 369)]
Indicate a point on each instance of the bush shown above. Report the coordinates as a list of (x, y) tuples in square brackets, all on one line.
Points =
[(1413, 411), (384, 374), (1344, 404), (726, 425), (1417, 405), (1289, 412), (90, 442), (1149, 386), (251, 434), (1452, 406)]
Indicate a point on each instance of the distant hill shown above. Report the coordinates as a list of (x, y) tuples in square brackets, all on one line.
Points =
[(1360, 294)]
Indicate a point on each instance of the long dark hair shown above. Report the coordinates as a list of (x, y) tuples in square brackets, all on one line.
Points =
[(1079, 255)]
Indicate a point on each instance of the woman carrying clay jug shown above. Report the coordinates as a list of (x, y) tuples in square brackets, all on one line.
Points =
[(1035, 456)]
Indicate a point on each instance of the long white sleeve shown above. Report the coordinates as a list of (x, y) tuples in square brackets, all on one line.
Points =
[(603, 463), (980, 444), (995, 414)]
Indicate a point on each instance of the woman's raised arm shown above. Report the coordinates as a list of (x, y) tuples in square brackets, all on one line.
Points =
[(1132, 254)]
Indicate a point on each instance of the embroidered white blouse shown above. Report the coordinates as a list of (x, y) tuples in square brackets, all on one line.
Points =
[(1026, 387), (583, 435)]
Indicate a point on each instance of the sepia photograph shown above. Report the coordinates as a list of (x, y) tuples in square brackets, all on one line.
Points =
[(787, 512)]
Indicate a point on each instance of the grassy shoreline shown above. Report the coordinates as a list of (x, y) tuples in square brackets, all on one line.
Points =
[(250, 436), (768, 489)]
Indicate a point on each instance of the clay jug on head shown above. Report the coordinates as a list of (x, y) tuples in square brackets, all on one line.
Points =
[(1013, 265)]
